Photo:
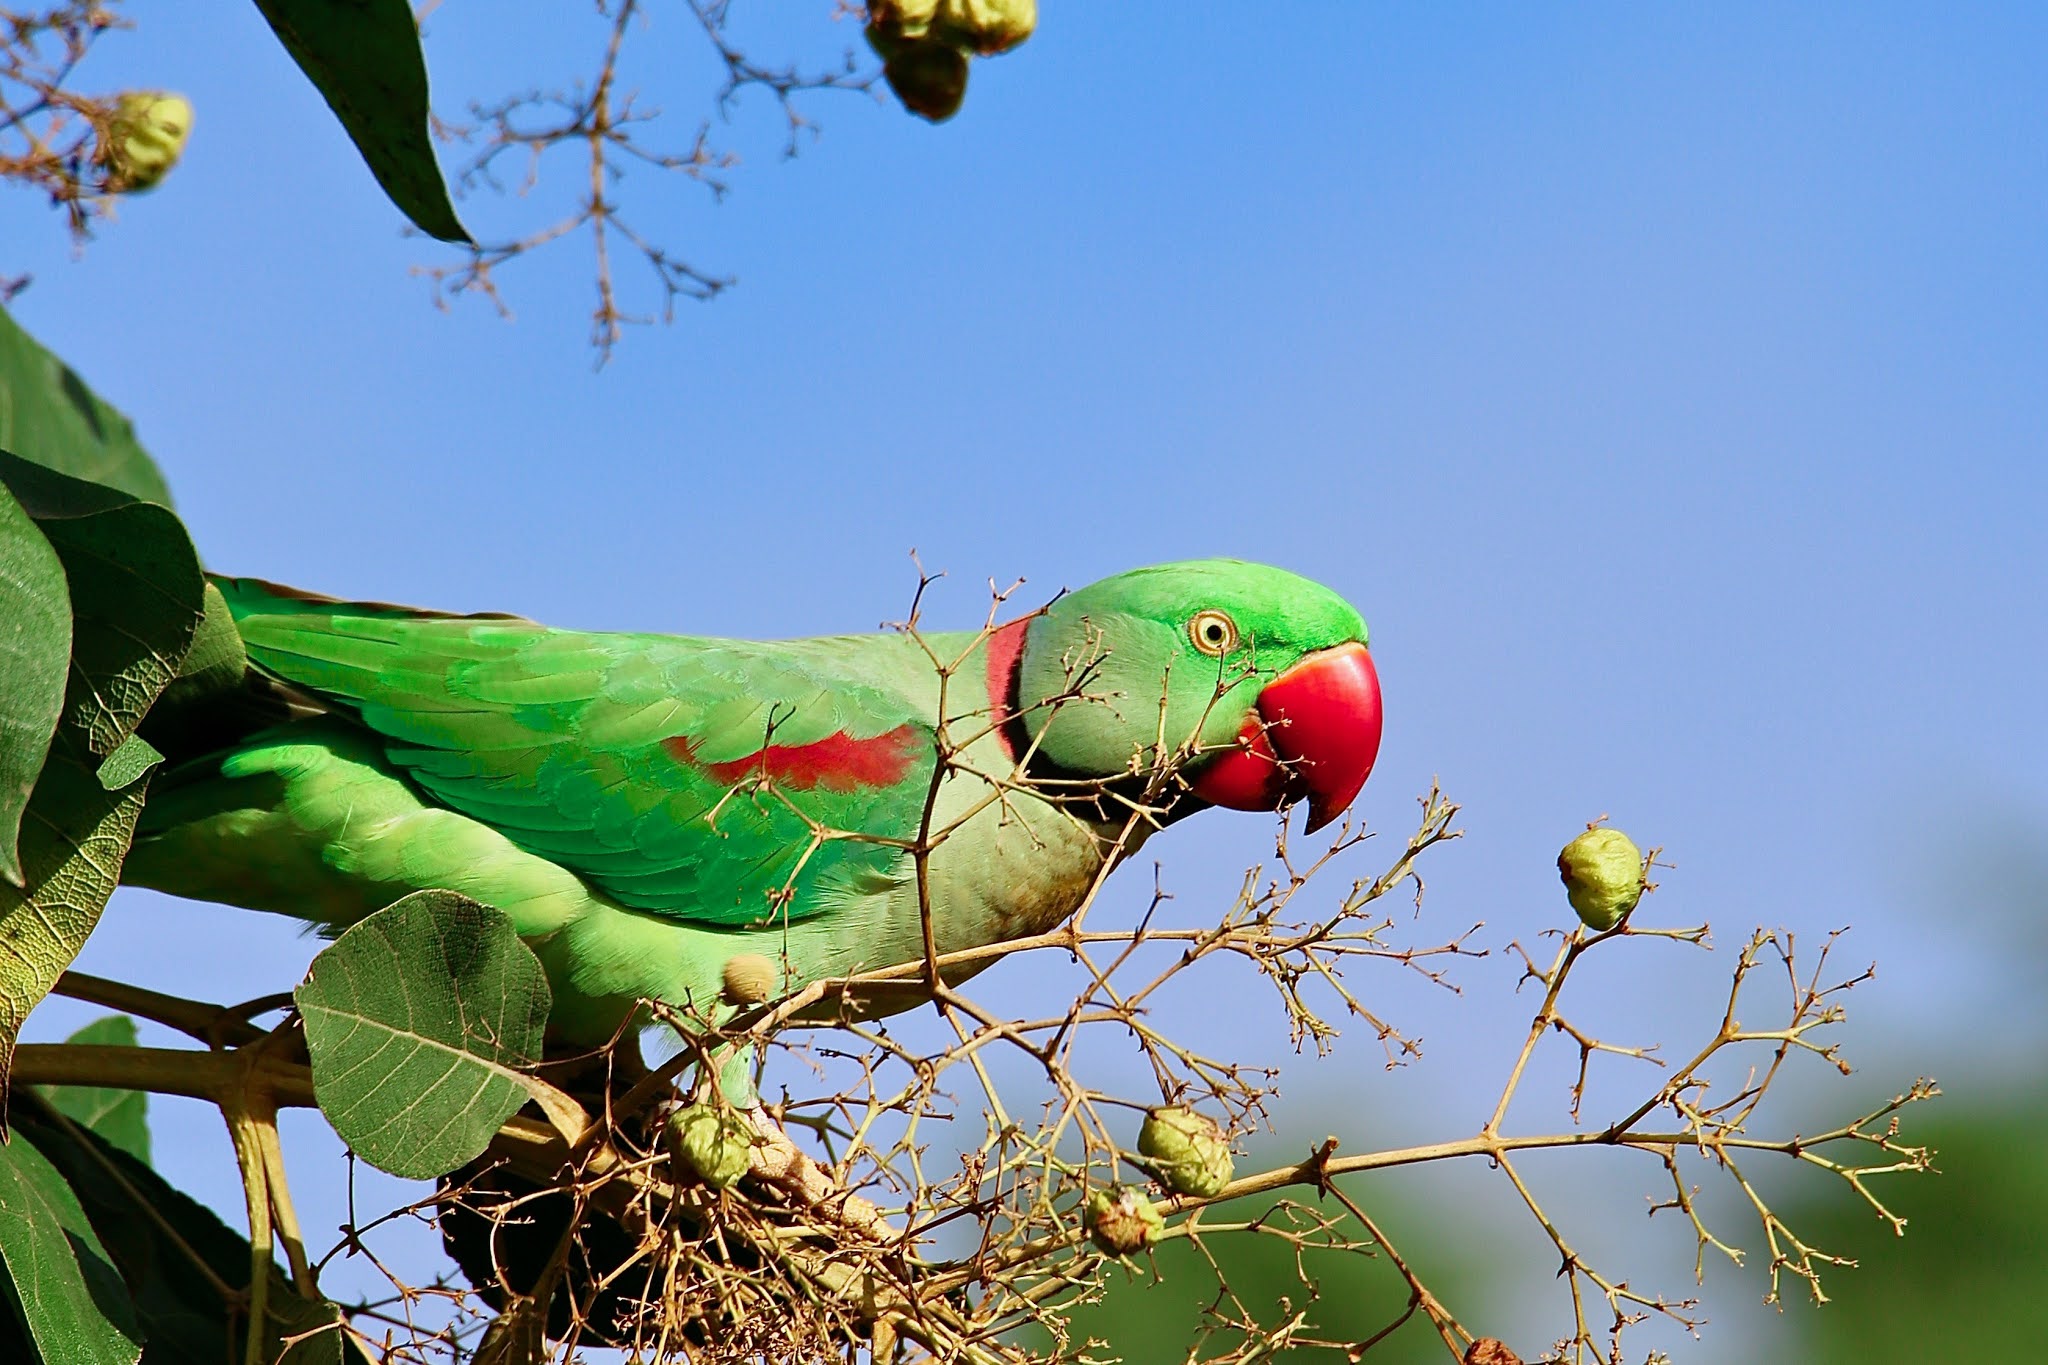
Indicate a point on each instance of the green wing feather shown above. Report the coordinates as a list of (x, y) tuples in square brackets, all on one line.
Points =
[(631, 760)]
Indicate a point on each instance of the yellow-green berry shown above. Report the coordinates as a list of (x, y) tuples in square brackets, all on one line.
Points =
[(985, 27), (891, 21), (1121, 1220), (713, 1144), (1602, 871), (144, 138), (1186, 1150)]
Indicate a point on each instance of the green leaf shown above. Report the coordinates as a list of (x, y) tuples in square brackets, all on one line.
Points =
[(136, 600), (68, 1294), (175, 1255), (72, 844), (35, 654), (420, 1021), (217, 660), (207, 705), (119, 1116), (137, 595), (364, 57), (296, 1316), (128, 763), (47, 414)]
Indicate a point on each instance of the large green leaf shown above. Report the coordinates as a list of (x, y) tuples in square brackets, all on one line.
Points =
[(73, 841), (69, 1296), (119, 1116), (206, 707), (35, 654), (421, 1020), (136, 600), (217, 660), (364, 57), (137, 594), (47, 414), (174, 1254)]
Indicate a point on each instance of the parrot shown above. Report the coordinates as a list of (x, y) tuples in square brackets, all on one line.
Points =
[(650, 811)]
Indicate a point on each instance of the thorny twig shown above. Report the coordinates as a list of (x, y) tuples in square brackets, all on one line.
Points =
[(886, 1214), (602, 121), (51, 140), (50, 135)]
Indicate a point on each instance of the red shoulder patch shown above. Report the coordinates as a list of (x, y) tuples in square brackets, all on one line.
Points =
[(1005, 650), (838, 762)]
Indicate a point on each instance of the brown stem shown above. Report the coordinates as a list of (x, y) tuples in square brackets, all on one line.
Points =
[(213, 1025), (256, 1196), (216, 1076)]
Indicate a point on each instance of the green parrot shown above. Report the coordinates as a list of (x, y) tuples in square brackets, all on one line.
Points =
[(649, 808)]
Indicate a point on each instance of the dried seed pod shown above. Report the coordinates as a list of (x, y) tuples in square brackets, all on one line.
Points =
[(144, 138), (714, 1144), (1187, 1150), (1121, 1220), (1602, 871), (748, 978), (1490, 1351)]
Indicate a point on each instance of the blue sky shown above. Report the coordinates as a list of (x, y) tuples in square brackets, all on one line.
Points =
[(1666, 387)]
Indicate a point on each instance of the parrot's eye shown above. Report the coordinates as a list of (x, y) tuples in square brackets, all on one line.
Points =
[(1213, 632)]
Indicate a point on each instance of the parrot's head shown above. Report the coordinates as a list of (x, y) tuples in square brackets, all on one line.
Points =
[(1256, 681)]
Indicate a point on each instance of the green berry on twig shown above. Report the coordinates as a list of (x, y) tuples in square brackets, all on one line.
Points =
[(1121, 1220), (1186, 1150), (144, 138), (713, 1144), (1602, 871), (985, 27)]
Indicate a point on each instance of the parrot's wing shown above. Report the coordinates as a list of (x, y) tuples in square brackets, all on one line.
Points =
[(700, 779)]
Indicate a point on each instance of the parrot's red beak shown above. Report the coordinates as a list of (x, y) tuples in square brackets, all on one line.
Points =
[(1313, 734)]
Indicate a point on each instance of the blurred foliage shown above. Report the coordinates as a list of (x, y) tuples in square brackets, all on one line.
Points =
[(1969, 1281), (1154, 1311), (50, 415), (119, 1116)]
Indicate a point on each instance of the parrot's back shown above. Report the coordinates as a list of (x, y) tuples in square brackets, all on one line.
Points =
[(643, 806)]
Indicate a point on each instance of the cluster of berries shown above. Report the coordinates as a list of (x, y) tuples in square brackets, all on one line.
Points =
[(925, 45)]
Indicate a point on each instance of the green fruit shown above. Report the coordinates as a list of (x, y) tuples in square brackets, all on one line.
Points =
[(1602, 871), (1121, 1220), (985, 27), (714, 1144), (144, 138), (1187, 1150), (929, 76)]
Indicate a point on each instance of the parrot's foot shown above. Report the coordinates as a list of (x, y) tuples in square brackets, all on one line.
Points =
[(786, 1168)]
